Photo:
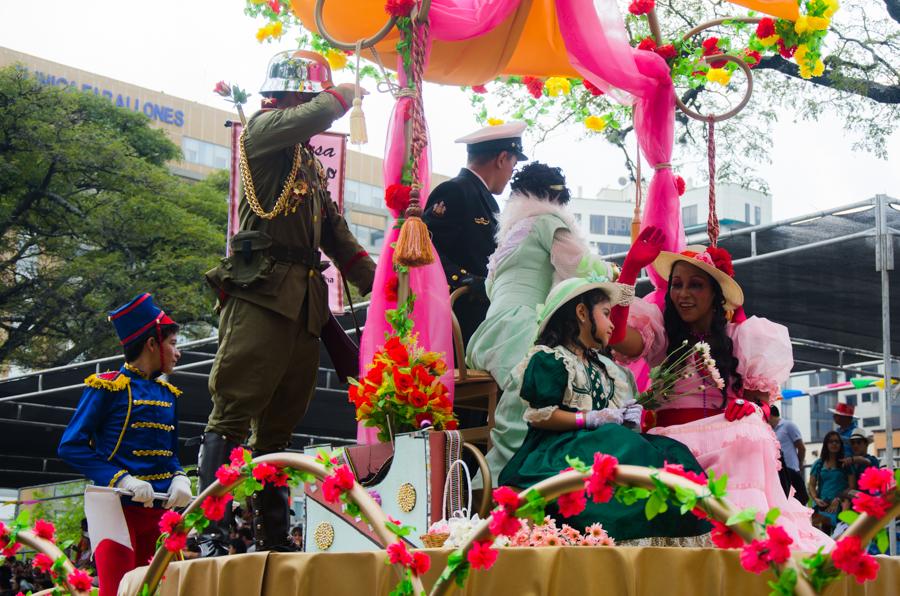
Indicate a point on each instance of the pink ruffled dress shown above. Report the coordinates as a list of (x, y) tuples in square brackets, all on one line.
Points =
[(746, 449)]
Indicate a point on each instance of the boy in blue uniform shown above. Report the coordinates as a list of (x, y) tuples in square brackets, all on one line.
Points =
[(124, 434)]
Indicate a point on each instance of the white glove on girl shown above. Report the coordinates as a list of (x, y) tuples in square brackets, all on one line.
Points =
[(595, 418)]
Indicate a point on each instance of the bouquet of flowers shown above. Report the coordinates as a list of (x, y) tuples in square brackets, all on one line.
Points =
[(683, 364), (402, 390)]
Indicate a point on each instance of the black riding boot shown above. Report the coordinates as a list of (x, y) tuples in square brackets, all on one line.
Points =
[(272, 517), (214, 451)]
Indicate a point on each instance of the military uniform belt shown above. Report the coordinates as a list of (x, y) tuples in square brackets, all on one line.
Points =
[(310, 257)]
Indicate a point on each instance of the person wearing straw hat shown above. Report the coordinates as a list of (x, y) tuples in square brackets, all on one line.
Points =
[(724, 428), (860, 439), (844, 416), (124, 435), (273, 299), (579, 403)]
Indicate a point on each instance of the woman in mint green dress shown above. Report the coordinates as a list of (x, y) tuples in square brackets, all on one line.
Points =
[(538, 244), (578, 402)]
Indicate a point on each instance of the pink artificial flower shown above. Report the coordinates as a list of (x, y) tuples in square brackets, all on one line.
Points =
[(849, 557), (222, 88), (265, 473), (503, 523), (506, 498), (647, 44), (330, 489), (44, 529), (398, 555), (571, 504), (421, 563), (680, 185), (877, 480), (679, 470), (275, 5), (11, 549), (169, 520), (481, 89), (214, 507), (639, 7), (175, 542), (724, 537), (228, 475), (779, 545), (42, 562), (876, 506), (481, 555), (80, 580), (237, 457), (753, 557), (603, 472)]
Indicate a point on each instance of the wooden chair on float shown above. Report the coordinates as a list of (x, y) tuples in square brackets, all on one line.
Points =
[(473, 389)]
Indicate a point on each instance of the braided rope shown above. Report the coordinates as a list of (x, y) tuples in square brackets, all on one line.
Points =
[(417, 113), (712, 222)]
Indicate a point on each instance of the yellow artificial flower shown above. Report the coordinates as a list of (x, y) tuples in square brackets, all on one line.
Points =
[(595, 123), (336, 58), (258, 1), (276, 29), (817, 23), (270, 30), (262, 34), (801, 25), (818, 69), (494, 121), (800, 54), (832, 7), (557, 86), (718, 75), (770, 41), (805, 71)]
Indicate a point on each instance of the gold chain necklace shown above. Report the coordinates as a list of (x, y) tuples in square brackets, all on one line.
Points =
[(288, 200)]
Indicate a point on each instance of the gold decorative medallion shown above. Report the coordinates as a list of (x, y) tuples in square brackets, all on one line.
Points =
[(324, 536), (406, 497)]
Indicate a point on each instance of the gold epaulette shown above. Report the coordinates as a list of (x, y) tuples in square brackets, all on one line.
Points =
[(175, 390), (111, 381)]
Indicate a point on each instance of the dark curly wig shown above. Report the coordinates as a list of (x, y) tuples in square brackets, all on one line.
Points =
[(537, 179), (720, 345), (562, 328)]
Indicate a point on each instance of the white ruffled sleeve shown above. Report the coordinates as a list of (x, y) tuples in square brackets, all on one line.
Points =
[(647, 319), (764, 353), (566, 254)]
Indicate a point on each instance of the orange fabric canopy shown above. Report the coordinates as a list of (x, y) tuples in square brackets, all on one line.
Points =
[(528, 42)]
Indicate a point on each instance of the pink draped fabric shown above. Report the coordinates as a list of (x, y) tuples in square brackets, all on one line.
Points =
[(454, 20)]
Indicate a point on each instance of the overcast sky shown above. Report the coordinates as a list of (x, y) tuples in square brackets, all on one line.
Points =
[(183, 47)]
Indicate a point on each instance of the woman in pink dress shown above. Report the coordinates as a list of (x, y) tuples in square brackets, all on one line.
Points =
[(725, 429)]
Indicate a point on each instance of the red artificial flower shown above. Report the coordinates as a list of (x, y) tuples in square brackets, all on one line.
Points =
[(679, 470), (376, 373), (421, 563), (849, 557), (481, 555), (595, 90), (396, 351), (175, 542), (765, 28), (876, 506), (227, 475), (504, 524), (786, 52), (721, 259), (603, 472), (403, 381), (877, 480), (281, 478), (479, 89), (390, 289), (752, 57), (647, 44), (44, 529), (11, 549), (571, 504), (680, 185), (223, 89), (398, 555), (423, 420), (330, 489), (506, 498), (396, 197), (214, 507), (275, 5), (711, 47), (265, 473), (421, 374), (535, 86), (667, 51), (237, 457), (169, 520), (753, 557), (42, 562), (639, 7), (418, 399), (451, 425), (779, 545), (399, 8), (699, 512), (724, 537), (80, 580)]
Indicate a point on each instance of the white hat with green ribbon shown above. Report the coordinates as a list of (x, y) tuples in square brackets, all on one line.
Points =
[(568, 289)]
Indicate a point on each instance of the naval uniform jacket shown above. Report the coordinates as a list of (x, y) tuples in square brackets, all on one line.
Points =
[(461, 214), (124, 424), (275, 262)]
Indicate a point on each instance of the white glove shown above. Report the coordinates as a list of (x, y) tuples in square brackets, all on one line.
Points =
[(633, 413), (595, 418), (179, 492), (141, 491)]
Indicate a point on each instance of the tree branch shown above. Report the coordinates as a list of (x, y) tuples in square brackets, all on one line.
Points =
[(886, 94)]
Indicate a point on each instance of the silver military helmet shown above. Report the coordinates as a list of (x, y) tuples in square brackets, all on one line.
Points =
[(298, 71)]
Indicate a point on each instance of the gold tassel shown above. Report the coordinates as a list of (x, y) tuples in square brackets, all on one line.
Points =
[(414, 243), (358, 123)]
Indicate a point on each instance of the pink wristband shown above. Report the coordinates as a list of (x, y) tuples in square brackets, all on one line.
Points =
[(579, 419)]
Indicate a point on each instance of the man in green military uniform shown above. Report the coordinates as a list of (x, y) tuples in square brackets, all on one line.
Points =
[(272, 295)]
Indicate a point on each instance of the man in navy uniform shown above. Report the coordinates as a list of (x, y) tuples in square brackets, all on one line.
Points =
[(124, 434), (461, 214)]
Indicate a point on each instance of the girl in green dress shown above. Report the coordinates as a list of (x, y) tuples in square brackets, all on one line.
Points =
[(579, 402)]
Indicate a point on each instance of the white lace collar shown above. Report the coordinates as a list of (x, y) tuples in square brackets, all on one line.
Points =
[(521, 206)]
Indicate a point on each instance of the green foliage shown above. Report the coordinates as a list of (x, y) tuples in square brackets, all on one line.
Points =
[(90, 217), (533, 508), (457, 568), (746, 515), (786, 583), (819, 571)]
